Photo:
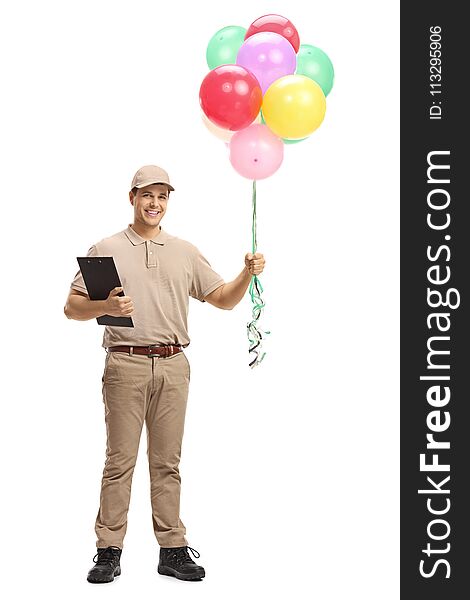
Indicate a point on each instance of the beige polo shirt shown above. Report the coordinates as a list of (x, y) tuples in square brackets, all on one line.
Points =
[(159, 275)]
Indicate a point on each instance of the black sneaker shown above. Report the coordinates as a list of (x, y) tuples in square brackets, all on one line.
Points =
[(176, 562), (107, 565)]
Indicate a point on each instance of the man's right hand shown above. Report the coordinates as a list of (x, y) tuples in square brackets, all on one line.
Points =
[(118, 306)]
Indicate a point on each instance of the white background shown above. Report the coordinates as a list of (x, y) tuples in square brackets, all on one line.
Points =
[(290, 470)]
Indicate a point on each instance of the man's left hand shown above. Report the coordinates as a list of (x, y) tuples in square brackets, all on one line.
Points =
[(254, 263)]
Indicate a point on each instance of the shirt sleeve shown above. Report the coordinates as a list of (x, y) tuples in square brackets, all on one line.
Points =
[(78, 283), (204, 279)]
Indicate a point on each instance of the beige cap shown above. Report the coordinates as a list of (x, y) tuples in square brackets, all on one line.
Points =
[(151, 174)]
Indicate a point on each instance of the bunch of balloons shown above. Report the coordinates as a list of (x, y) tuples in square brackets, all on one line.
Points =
[(264, 90)]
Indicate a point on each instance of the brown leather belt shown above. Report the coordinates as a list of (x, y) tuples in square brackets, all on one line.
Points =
[(162, 351)]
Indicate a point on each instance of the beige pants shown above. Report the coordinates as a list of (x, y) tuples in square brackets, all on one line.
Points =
[(139, 388)]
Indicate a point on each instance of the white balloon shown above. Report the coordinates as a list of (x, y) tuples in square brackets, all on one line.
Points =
[(219, 132)]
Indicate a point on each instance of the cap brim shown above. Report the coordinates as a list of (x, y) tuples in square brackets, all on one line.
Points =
[(152, 182)]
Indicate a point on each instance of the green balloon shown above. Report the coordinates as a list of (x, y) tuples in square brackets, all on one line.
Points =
[(224, 46), (314, 63), (293, 141), (283, 139)]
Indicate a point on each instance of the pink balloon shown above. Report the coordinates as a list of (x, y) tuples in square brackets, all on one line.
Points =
[(255, 152), (268, 56)]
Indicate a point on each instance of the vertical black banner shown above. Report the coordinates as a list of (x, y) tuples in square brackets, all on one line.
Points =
[(435, 358)]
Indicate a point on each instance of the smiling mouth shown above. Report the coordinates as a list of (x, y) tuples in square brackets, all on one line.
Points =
[(153, 213)]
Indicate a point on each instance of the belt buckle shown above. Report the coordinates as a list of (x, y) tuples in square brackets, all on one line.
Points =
[(168, 351), (149, 354)]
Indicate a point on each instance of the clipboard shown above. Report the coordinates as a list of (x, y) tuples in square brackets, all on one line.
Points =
[(100, 276)]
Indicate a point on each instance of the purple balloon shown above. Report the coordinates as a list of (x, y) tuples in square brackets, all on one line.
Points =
[(268, 56)]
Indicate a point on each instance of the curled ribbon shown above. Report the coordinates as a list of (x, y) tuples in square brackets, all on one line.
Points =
[(254, 332)]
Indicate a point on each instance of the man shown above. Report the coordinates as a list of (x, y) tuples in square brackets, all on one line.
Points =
[(146, 374)]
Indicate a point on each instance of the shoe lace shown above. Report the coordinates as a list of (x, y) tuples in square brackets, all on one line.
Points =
[(106, 556), (182, 555)]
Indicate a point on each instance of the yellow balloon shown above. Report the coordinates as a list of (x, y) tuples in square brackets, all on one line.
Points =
[(294, 106)]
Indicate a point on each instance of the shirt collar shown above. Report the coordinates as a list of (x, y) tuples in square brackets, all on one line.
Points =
[(135, 238)]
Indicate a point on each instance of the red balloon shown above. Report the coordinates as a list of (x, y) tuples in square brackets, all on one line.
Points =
[(276, 24), (231, 97)]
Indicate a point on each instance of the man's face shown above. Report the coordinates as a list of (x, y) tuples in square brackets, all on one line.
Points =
[(150, 204)]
